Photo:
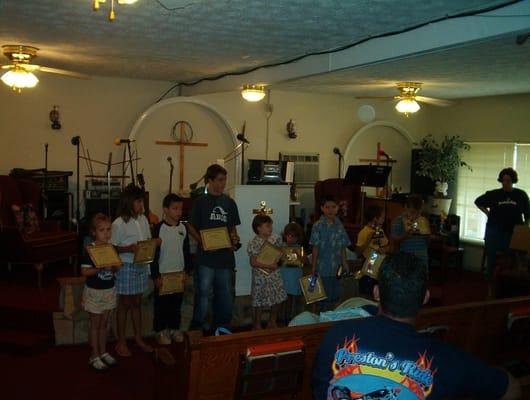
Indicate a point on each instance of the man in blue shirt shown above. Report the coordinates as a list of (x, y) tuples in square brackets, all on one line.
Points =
[(383, 357)]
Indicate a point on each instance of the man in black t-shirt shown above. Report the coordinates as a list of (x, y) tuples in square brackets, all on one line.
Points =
[(383, 357), (504, 208), (215, 269)]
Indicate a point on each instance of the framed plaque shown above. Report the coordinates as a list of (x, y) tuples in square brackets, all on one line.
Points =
[(371, 265), (172, 282), (269, 254), (104, 256), (318, 292), (293, 256), (145, 252), (215, 239)]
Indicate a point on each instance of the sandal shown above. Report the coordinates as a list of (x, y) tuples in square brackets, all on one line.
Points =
[(98, 365), (108, 359)]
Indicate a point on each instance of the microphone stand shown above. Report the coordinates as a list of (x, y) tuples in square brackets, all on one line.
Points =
[(45, 184), (170, 176), (109, 165), (131, 162), (385, 224)]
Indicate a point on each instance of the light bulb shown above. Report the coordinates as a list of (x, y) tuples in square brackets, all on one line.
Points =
[(407, 106), (253, 93)]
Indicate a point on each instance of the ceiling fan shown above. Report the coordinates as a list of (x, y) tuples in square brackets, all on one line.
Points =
[(20, 72), (408, 98)]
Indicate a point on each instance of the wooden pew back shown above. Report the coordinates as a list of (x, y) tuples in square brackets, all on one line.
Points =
[(214, 361)]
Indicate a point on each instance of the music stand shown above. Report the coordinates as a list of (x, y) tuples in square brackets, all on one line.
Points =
[(368, 176)]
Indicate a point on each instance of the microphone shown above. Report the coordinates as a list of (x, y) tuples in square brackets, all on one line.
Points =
[(119, 141), (241, 137), (75, 140), (384, 153), (337, 151), (170, 161)]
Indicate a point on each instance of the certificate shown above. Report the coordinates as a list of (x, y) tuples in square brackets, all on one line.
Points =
[(104, 256), (172, 282), (269, 254), (318, 292), (145, 252), (215, 239), (293, 256)]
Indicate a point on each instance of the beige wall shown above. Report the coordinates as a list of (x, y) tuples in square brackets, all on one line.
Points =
[(102, 109), (496, 119)]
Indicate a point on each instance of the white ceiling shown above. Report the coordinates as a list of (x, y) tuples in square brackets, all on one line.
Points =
[(209, 37), (494, 67)]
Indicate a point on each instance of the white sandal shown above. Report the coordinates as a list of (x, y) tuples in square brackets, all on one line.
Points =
[(97, 364), (108, 359)]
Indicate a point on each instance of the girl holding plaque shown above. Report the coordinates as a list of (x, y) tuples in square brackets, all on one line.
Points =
[(293, 262), (267, 285), (131, 281), (99, 296)]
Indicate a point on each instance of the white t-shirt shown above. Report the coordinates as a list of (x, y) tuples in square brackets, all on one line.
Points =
[(131, 232), (172, 248)]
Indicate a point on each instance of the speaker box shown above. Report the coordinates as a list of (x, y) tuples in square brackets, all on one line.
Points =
[(419, 184)]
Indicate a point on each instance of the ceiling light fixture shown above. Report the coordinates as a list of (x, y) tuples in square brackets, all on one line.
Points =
[(19, 79), (112, 13), (253, 93), (407, 106)]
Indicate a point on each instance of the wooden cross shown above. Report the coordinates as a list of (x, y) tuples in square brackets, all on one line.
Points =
[(182, 142), (380, 191), (377, 159)]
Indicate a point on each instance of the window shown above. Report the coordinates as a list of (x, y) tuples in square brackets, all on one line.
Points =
[(487, 159)]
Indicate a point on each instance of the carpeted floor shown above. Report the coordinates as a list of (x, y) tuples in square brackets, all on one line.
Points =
[(63, 373)]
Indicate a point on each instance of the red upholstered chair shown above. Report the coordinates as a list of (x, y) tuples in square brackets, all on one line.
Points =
[(347, 195), (47, 245)]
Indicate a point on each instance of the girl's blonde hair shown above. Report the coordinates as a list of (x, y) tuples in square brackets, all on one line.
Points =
[(97, 219)]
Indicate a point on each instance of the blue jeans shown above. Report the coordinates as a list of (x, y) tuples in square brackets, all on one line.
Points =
[(495, 241), (221, 280)]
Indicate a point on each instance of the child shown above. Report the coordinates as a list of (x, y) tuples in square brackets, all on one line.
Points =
[(293, 236), (267, 285), (131, 280), (410, 230), (99, 296), (215, 268), (172, 256), (329, 241), (371, 238)]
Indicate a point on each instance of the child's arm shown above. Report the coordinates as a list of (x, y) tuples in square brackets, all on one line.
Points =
[(86, 272), (364, 243), (344, 259), (314, 253)]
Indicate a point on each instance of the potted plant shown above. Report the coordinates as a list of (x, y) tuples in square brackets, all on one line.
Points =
[(440, 161)]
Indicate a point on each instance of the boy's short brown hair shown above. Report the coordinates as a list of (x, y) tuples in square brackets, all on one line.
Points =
[(212, 171)]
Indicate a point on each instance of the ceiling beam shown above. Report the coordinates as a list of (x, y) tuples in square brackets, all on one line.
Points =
[(434, 37)]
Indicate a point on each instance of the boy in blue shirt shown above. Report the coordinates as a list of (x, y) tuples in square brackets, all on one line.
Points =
[(329, 241)]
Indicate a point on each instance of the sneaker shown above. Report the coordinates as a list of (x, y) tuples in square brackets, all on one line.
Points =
[(176, 336), (97, 364), (108, 359), (163, 339)]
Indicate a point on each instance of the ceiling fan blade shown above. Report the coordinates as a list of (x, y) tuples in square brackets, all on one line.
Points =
[(375, 97), (433, 101), (64, 72), (9, 66)]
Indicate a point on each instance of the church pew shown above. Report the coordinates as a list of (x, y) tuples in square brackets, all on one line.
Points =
[(214, 362)]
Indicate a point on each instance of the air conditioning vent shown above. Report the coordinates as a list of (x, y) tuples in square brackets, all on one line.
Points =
[(306, 167)]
